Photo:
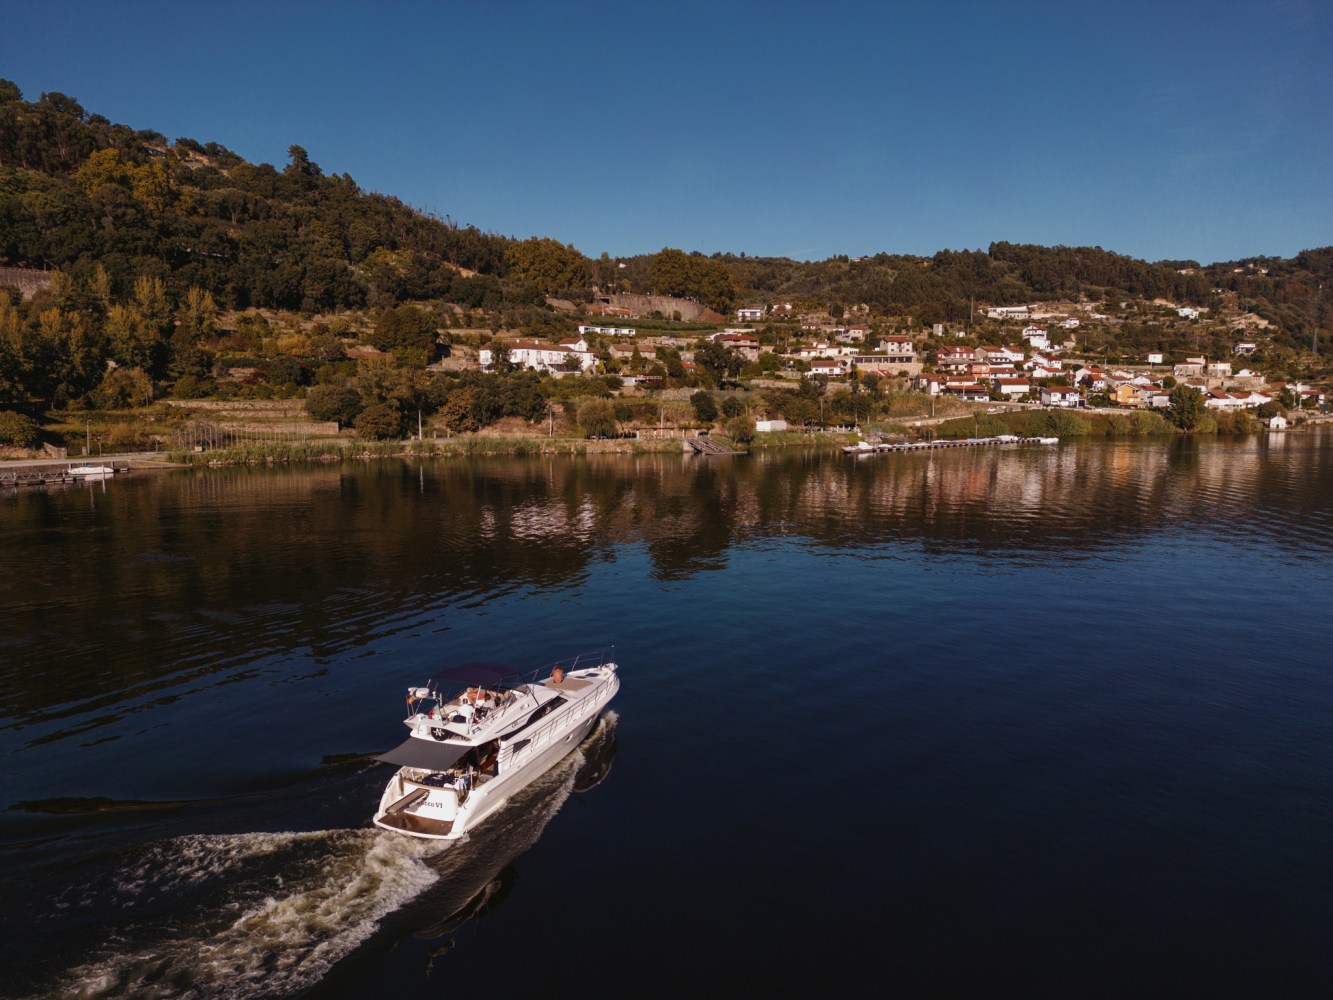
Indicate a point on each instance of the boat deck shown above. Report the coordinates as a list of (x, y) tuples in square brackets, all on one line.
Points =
[(409, 823)]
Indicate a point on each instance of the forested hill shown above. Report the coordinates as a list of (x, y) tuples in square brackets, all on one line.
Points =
[(80, 194), (77, 191)]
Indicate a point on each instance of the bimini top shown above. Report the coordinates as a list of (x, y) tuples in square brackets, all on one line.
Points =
[(425, 754), (491, 675)]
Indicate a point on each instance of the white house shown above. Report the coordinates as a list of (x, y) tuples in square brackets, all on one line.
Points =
[(1007, 312), (1185, 312), (1189, 368), (900, 349), (1095, 376), (967, 390), (608, 331), (1156, 358), (931, 385), (539, 357), (826, 366), (1009, 387), (769, 426), (1036, 338), (1245, 347), (1072, 323), (750, 314), (1060, 395), (1009, 354), (1218, 369)]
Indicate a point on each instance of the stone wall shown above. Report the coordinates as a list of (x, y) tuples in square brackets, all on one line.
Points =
[(690, 311), (26, 280)]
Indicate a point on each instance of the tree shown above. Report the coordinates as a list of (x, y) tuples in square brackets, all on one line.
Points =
[(547, 264), (597, 417), (732, 406), (124, 388), (1186, 407), (716, 362), (741, 429), (379, 422), (333, 402), (677, 273), (705, 407), (19, 430)]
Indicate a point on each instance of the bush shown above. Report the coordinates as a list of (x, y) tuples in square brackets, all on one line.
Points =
[(334, 402), (740, 429), (19, 430), (379, 422), (597, 418), (705, 407), (123, 388), (732, 406)]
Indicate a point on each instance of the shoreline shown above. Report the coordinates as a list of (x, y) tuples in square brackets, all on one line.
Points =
[(515, 446)]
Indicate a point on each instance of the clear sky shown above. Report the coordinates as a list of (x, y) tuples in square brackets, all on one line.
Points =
[(1196, 130)]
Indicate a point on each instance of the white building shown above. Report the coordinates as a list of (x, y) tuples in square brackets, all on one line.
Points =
[(1185, 312), (1036, 338), (1007, 312), (608, 331), (539, 357)]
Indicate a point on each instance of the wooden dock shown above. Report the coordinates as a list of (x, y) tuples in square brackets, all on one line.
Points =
[(866, 448), (52, 475), (707, 446)]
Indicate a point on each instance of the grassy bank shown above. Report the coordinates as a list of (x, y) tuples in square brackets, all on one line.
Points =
[(1073, 423), (463, 446)]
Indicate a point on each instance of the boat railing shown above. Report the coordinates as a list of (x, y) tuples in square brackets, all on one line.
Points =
[(582, 661), (555, 726)]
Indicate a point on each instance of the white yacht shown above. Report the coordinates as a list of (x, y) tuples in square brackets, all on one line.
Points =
[(480, 732)]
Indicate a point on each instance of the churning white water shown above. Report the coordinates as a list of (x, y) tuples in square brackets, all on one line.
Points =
[(268, 914)]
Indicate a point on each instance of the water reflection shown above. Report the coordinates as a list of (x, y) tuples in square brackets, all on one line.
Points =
[(199, 574)]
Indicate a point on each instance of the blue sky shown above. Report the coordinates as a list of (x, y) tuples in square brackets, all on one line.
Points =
[(1161, 130)]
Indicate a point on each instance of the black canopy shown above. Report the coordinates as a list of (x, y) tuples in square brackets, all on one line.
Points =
[(489, 675), (425, 754)]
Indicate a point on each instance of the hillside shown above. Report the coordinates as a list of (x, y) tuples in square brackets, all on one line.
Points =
[(133, 267)]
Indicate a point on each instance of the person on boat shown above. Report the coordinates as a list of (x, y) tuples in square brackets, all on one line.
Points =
[(467, 712), (557, 676)]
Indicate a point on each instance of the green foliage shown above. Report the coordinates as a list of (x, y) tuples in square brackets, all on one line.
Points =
[(1186, 408), (124, 388), (333, 402), (406, 326), (597, 418), (547, 264), (717, 363), (740, 429), (732, 406), (378, 422), (705, 407), (18, 429), (691, 276)]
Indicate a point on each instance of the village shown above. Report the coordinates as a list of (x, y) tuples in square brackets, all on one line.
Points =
[(1039, 366)]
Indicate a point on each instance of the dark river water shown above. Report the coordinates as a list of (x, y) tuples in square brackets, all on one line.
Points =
[(1043, 721)]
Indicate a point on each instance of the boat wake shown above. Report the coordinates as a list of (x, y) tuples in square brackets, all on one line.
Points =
[(257, 914), (270, 914)]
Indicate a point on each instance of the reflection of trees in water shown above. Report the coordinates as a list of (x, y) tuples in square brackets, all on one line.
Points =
[(201, 569)]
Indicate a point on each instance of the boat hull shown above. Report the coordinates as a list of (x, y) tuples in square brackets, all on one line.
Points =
[(440, 816)]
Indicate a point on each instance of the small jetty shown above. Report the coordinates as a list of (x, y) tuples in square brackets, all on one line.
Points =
[(867, 448), (707, 446), (52, 475)]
